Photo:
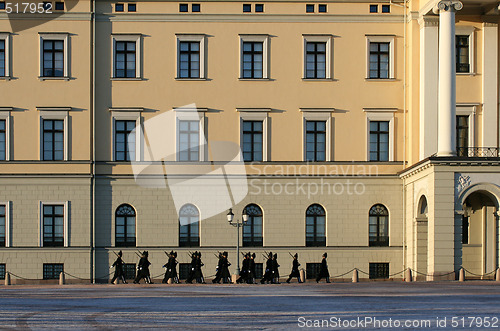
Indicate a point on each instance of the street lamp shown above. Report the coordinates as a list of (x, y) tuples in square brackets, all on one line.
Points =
[(238, 224)]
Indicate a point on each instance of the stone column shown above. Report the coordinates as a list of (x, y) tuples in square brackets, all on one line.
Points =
[(447, 77)]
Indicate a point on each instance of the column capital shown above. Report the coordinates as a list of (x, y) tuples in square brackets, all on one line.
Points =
[(447, 5)]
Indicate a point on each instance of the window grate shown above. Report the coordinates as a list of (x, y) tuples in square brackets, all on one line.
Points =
[(184, 269), (52, 270), (2, 271), (129, 270), (312, 270), (379, 270)]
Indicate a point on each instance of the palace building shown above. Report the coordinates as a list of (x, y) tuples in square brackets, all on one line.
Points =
[(367, 130)]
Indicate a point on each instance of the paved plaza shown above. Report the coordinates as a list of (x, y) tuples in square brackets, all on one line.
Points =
[(367, 305)]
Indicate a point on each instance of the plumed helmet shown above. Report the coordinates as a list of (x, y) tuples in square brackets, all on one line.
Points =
[(145, 253), (199, 254), (171, 253), (270, 255), (225, 254), (253, 255), (174, 254), (120, 253), (296, 255), (325, 255), (275, 255)]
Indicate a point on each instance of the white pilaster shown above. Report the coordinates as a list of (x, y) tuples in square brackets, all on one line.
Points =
[(447, 77), (490, 85), (428, 86)]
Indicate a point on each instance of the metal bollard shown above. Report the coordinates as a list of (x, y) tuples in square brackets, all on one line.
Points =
[(461, 275), (62, 280), (497, 276), (408, 277), (355, 276), (7, 279), (302, 276)]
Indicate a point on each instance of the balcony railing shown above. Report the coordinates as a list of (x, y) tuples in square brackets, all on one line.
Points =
[(478, 152)]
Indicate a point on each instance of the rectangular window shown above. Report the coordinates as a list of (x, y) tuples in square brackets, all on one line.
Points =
[(465, 229), (195, 7), (119, 7), (462, 53), (315, 141), (253, 136), (52, 270), (259, 270), (59, 6), (322, 8), (124, 140), (132, 7), (3, 140), (309, 8), (3, 224), (189, 59), (53, 58), (189, 140), (53, 140), (53, 225), (316, 60), (259, 8), (379, 140), (462, 135), (125, 59), (379, 270), (2, 5), (129, 270), (247, 8), (373, 8), (312, 270), (3, 63), (184, 269), (253, 59), (2, 271), (386, 8), (379, 60), (183, 7)]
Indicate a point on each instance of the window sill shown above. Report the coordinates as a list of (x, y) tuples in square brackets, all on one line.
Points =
[(127, 79), (254, 79), (466, 74), (54, 78), (380, 79), (319, 79), (6, 78), (191, 79)]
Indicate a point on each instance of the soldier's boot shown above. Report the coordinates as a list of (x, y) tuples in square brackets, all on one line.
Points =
[(298, 279), (327, 279)]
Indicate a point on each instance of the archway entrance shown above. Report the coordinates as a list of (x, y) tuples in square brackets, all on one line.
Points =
[(479, 233), (421, 239)]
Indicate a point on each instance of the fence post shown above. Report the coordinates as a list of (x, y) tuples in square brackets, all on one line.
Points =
[(461, 275), (302, 276), (355, 276), (62, 280), (408, 277), (7, 279), (497, 276)]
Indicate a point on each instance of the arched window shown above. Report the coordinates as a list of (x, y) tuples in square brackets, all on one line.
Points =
[(315, 226), (422, 207), (379, 226), (125, 226), (189, 226), (252, 231)]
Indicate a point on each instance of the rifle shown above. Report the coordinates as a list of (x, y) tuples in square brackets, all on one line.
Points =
[(290, 254), (139, 255)]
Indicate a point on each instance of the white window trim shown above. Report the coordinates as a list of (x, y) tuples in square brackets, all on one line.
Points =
[(316, 115), (191, 37), (64, 36), (328, 39), (6, 37), (65, 223), (264, 39), (5, 115), (255, 115), (191, 114), (468, 110), (380, 39), (138, 51), (8, 218), (126, 115), (467, 31), (380, 114), (54, 115)]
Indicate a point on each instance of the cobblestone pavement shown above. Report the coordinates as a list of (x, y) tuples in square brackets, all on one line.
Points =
[(252, 307)]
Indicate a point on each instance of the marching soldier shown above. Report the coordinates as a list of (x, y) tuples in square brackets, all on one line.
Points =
[(143, 269), (191, 276), (218, 274), (276, 273), (197, 272), (295, 269), (244, 269), (323, 271), (226, 276), (171, 268), (118, 264), (251, 269), (268, 275)]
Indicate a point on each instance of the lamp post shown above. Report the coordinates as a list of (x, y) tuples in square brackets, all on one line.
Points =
[(238, 224)]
